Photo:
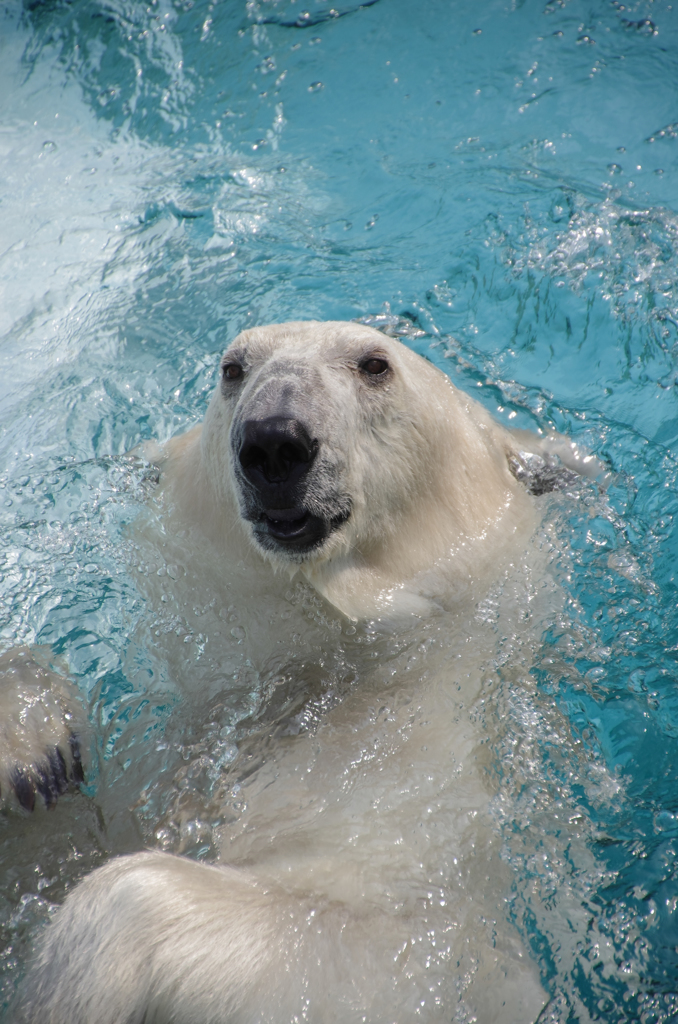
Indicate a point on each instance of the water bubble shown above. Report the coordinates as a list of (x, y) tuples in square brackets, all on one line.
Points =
[(645, 27), (669, 131), (562, 209), (267, 65), (665, 821)]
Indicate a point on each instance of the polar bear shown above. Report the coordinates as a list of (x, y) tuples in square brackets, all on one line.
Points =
[(359, 879)]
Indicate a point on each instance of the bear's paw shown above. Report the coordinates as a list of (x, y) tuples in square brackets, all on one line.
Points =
[(40, 726)]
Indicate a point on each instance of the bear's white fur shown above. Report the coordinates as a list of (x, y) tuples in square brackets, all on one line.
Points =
[(425, 466), (360, 880)]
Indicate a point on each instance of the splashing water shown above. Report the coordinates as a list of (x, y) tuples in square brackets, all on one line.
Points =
[(494, 184)]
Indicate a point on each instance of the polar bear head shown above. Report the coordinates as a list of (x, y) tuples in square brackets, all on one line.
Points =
[(341, 445)]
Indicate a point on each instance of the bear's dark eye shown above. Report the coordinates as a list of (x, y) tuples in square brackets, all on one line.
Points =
[(232, 371), (374, 366)]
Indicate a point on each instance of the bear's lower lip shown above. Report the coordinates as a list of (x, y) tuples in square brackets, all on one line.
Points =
[(295, 530), (290, 524)]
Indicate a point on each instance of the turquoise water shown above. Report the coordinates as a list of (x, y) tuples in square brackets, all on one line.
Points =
[(502, 179)]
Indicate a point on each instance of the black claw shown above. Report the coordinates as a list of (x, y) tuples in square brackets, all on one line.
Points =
[(77, 773), (59, 770), (45, 784), (52, 777), (23, 787)]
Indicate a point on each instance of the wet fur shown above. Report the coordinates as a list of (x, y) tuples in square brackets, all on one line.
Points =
[(325, 896)]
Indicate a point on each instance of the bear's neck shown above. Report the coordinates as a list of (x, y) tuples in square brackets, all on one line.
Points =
[(430, 567)]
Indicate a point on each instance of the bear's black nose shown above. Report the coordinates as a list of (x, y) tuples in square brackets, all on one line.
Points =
[(276, 450)]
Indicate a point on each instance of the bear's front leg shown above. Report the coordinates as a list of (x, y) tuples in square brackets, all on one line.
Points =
[(157, 939), (40, 729)]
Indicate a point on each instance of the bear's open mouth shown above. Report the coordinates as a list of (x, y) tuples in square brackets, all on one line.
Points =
[(295, 530), (293, 527), (286, 523)]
